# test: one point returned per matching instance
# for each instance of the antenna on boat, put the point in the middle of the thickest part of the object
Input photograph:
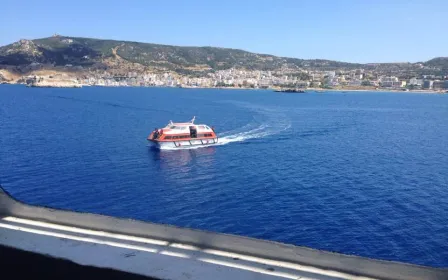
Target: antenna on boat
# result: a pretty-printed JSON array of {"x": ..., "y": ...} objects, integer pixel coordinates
[{"x": 192, "y": 120}]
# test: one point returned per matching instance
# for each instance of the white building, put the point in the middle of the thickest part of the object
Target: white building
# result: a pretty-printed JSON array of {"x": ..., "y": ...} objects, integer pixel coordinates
[
  {"x": 388, "y": 81},
  {"x": 416, "y": 82}
]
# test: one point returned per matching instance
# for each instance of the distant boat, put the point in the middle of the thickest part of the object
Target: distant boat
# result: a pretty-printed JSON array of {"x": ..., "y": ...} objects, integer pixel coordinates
[{"x": 290, "y": 90}]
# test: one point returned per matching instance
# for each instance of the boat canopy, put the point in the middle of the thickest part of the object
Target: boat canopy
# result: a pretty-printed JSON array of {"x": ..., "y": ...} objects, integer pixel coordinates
[{"x": 186, "y": 123}]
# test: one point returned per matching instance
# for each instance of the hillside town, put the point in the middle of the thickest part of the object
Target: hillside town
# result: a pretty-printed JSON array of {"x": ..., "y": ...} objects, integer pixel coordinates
[
  {"x": 240, "y": 78},
  {"x": 60, "y": 61}
]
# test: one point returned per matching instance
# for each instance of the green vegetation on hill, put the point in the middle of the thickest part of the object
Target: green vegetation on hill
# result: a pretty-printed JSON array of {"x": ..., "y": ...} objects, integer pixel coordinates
[
  {"x": 61, "y": 50},
  {"x": 440, "y": 62}
]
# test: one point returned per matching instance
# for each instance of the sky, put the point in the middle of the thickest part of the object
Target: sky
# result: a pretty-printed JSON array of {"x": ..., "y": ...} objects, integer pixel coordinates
[{"x": 345, "y": 30}]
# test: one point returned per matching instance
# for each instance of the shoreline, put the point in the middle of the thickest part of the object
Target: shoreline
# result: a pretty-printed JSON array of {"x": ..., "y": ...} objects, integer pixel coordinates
[
  {"x": 307, "y": 90},
  {"x": 383, "y": 90}
]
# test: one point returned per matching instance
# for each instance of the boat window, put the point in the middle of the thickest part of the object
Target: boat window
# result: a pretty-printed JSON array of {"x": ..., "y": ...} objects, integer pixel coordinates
[
  {"x": 205, "y": 135},
  {"x": 207, "y": 127},
  {"x": 168, "y": 137}
]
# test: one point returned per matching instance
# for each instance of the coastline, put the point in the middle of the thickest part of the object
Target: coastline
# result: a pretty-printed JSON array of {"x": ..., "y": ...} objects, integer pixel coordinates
[
  {"x": 381, "y": 90},
  {"x": 72, "y": 84}
]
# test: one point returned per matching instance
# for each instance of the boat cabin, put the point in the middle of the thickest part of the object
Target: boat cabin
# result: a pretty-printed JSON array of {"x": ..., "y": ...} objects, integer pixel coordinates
[{"x": 182, "y": 131}]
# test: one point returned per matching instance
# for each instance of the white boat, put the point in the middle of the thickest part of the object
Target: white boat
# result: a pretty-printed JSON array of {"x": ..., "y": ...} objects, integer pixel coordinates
[{"x": 180, "y": 135}]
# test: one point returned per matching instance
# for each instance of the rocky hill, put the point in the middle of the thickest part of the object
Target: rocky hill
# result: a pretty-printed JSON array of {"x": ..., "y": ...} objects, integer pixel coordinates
[
  {"x": 438, "y": 62},
  {"x": 110, "y": 54},
  {"x": 61, "y": 50}
]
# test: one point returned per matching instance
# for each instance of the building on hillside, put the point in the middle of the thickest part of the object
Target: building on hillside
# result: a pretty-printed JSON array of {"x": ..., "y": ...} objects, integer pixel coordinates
[
  {"x": 427, "y": 84},
  {"x": 388, "y": 81},
  {"x": 400, "y": 84},
  {"x": 265, "y": 83},
  {"x": 356, "y": 76},
  {"x": 330, "y": 74},
  {"x": 415, "y": 82},
  {"x": 302, "y": 84},
  {"x": 440, "y": 85},
  {"x": 317, "y": 76}
]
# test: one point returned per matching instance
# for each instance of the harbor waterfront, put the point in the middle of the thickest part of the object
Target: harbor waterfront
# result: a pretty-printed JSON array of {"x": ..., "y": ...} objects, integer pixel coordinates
[
  {"x": 355, "y": 173},
  {"x": 64, "y": 61}
]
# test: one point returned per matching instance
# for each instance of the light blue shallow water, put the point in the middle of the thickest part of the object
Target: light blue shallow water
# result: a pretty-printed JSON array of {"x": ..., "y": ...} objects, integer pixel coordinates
[{"x": 356, "y": 173}]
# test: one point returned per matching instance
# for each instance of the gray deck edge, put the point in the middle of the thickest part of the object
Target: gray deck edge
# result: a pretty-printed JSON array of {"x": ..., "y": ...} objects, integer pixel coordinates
[{"x": 231, "y": 243}]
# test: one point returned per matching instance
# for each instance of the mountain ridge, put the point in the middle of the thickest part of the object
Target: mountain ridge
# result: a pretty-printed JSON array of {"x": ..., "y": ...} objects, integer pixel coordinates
[{"x": 103, "y": 54}]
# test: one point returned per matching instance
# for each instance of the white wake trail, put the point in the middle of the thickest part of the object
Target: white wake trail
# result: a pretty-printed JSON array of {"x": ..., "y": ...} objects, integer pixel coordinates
[{"x": 270, "y": 121}]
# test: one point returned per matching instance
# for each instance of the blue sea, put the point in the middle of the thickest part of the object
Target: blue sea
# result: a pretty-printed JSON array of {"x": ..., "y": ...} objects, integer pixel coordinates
[{"x": 362, "y": 173}]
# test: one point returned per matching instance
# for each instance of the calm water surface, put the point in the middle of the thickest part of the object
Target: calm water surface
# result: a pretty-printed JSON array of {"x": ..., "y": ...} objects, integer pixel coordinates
[{"x": 356, "y": 173}]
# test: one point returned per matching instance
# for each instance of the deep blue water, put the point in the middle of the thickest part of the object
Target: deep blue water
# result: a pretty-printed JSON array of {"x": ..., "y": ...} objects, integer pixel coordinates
[{"x": 356, "y": 173}]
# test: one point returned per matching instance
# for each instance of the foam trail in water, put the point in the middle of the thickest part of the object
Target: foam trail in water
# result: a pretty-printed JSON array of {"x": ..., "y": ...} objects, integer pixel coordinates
[{"x": 270, "y": 121}]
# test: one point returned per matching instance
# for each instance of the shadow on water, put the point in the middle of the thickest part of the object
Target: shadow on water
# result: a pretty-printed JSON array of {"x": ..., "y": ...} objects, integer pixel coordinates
[{"x": 181, "y": 160}]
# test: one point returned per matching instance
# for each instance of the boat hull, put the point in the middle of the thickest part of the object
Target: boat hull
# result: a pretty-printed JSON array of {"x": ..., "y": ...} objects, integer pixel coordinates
[{"x": 183, "y": 143}]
